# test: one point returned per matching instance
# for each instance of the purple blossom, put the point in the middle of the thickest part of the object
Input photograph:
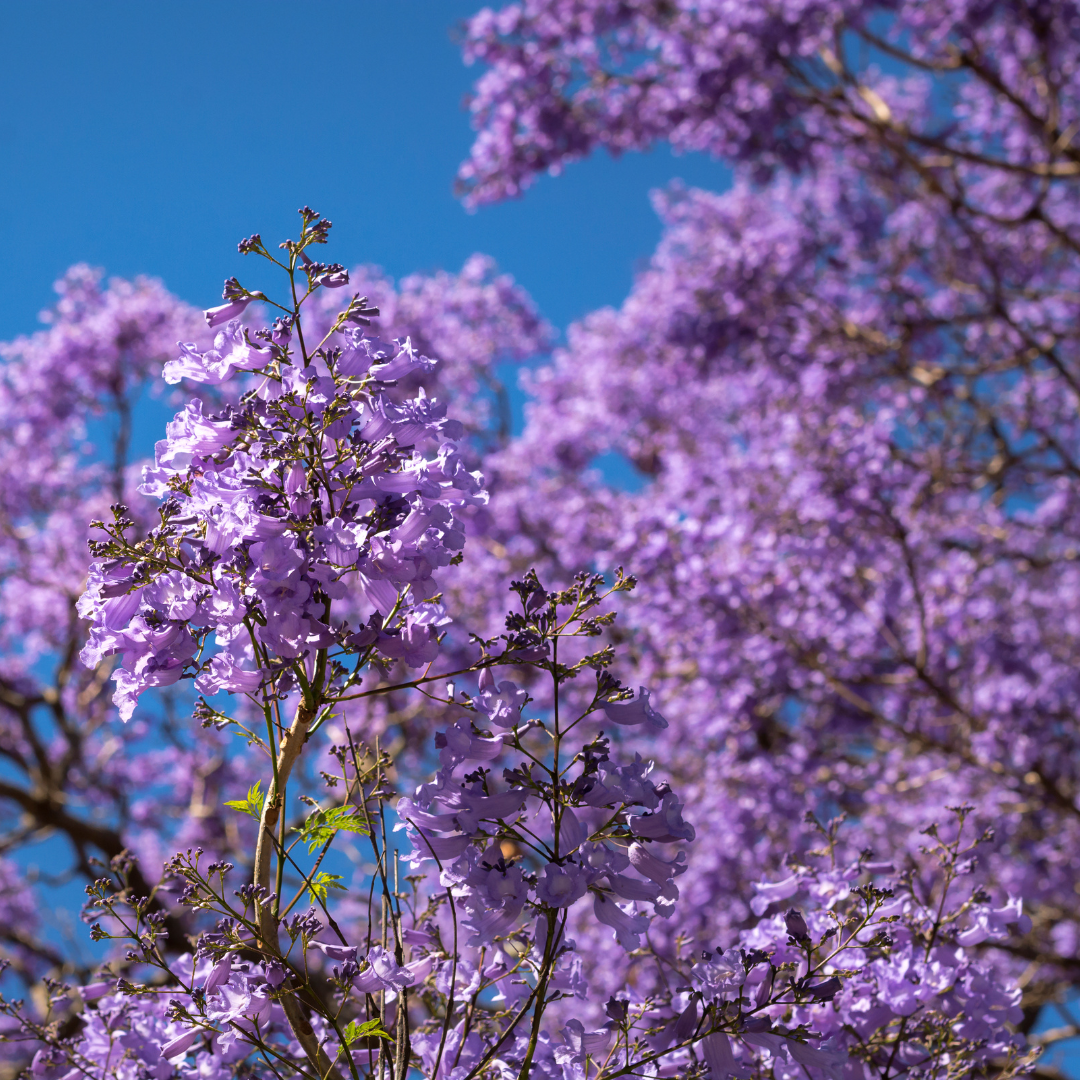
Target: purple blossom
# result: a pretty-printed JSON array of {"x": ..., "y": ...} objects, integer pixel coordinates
[
  {"x": 665, "y": 823},
  {"x": 460, "y": 743},
  {"x": 720, "y": 977},
  {"x": 993, "y": 923},
  {"x": 225, "y": 673},
  {"x": 768, "y": 893},
  {"x": 654, "y": 868},
  {"x": 561, "y": 886},
  {"x": 382, "y": 973},
  {"x": 181, "y": 1044},
  {"x": 628, "y": 927},
  {"x": 226, "y": 312},
  {"x": 718, "y": 1056},
  {"x": 633, "y": 713},
  {"x": 502, "y": 705},
  {"x": 580, "y": 1044}
]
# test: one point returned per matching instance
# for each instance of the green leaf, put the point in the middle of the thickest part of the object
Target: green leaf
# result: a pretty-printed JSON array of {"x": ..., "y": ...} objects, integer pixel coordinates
[
  {"x": 323, "y": 824},
  {"x": 366, "y": 1030},
  {"x": 322, "y": 882},
  {"x": 253, "y": 804}
]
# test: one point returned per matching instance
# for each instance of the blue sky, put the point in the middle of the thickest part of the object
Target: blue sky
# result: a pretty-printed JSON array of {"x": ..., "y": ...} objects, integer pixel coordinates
[{"x": 148, "y": 138}]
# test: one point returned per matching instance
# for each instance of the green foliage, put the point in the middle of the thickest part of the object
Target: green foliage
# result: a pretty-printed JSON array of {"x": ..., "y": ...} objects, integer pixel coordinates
[
  {"x": 321, "y": 883},
  {"x": 366, "y": 1030},
  {"x": 323, "y": 824},
  {"x": 253, "y": 804}
]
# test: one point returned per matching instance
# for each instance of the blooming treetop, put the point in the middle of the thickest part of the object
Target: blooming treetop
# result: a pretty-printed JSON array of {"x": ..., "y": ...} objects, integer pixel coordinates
[
  {"x": 848, "y": 386},
  {"x": 291, "y": 566}
]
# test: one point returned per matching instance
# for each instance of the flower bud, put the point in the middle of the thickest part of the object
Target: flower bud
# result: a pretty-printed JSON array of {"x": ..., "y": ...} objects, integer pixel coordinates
[{"x": 796, "y": 925}]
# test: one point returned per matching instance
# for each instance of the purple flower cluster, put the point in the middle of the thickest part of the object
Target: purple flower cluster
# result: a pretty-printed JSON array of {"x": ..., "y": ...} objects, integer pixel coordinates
[
  {"x": 596, "y": 843},
  {"x": 852, "y": 964},
  {"x": 923, "y": 975},
  {"x": 316, "y": 487}
]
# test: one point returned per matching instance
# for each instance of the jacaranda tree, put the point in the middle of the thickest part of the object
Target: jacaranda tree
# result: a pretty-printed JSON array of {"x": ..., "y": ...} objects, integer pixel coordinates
[{"x": 339, "y": 814}]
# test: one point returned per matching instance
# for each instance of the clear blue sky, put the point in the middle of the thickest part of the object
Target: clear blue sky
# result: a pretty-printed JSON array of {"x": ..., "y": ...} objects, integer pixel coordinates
[{"x": 148, "y": 138}]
